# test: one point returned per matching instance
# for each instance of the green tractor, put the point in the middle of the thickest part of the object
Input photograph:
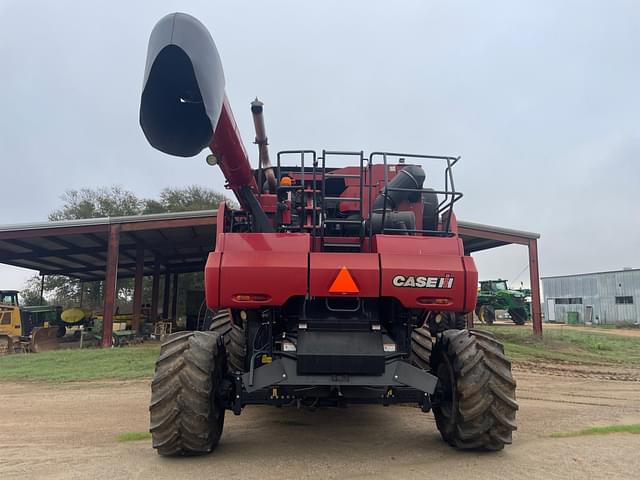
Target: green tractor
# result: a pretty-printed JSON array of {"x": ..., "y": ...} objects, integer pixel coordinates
[{"x": 495, "y": 295}]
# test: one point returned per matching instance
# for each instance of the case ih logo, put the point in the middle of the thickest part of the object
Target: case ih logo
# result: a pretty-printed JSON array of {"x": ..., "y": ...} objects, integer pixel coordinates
[{"x": 422, "y": 282}]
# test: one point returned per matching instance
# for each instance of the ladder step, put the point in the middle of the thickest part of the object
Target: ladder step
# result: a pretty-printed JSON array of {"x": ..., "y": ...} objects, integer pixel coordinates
[
  {"x": 343, "y": 175},
  {"x": 350, "y": 222},
  {"x": 344, "y": 199},
  {"x": 340, "y": 245}
]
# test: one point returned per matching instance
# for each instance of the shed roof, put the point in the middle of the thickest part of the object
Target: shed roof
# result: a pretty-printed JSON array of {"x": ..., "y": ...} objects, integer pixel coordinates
[
  {"x": 78, "y": 248},
  {"x": 624, "y": 270}
]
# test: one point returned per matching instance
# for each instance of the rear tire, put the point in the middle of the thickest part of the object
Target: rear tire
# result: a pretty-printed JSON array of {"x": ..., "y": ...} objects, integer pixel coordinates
[
  {"x": 518, "y": 315},
  {"x": 234, "y": 338},
  {"x": 7, "y": 344},
  {"x": 486, "y": 314},
  {"x": 421, "y": 346},
  {"x": 186, "y": 416},
  {"x": 440, "y": 321},
  {"x": 475, "y": 401},
  {"x": 456, "y": 321}
]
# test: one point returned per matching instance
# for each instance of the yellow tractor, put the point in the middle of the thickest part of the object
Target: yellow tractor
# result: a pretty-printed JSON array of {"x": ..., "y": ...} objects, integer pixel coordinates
[{"x": 27, "y": 329}]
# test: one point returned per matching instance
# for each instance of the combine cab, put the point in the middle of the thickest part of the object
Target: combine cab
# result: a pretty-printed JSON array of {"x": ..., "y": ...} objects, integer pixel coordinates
[{"x": 341, "y": 279}]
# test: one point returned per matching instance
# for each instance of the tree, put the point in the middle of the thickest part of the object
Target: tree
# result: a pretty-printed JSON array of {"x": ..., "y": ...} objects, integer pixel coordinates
[
  {"x": 100, "y": 202},
  {"x": 188, "y": 199},
  {"x": 59, "y": 290},
  {"x": 30, "y": 293}
]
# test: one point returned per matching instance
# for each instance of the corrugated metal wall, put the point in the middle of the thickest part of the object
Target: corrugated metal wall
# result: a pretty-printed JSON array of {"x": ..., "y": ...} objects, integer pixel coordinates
[{"x": 597, "y": 290}]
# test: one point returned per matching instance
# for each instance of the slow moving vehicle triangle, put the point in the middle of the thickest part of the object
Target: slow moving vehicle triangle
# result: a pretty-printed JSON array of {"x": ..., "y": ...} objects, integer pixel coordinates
[{"x": 344, "y": 283}]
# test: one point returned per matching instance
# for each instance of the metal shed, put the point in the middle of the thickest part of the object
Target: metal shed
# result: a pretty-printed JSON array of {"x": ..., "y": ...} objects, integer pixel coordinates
[
  {"x": 171, "y": 244},
  {"x": 599, "y": 297}
]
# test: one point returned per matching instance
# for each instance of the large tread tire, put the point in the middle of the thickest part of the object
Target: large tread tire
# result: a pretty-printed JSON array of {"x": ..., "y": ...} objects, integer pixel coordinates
[
  {"x": 186, "y": 417},
  {"x": 7, "y": 344},
  {"x": 440, "y": 321},
  {"x": 456, "y": 321},
  {"x": 421, "y": 346},
  {"x": 475, "y": 403},
  {"x": 234, "y": 338},
  {"x": 518, "y": 315},
  {"x": 486, "y": 314}
]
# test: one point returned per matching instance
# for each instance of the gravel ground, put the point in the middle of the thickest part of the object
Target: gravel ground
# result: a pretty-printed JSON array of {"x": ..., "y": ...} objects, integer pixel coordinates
[{"x": 69, "y": 431}]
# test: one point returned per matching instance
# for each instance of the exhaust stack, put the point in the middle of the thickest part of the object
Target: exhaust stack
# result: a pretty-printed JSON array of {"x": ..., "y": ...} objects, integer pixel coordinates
[{"x": 257, "y": 110}]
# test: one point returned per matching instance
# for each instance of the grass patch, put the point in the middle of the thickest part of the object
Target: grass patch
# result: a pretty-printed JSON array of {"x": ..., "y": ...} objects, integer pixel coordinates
[
  {"x": 127, "y": 363},
  {"x": 632, "y": 428},
  {"x": 133, "y": 436},
  {"x": 568, "y": 345},
  {"x": 137, "y": 362}
]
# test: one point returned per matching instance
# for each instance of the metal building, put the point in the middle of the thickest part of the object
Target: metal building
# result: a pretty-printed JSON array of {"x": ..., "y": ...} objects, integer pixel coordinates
[{"x": 600, "y": 297}]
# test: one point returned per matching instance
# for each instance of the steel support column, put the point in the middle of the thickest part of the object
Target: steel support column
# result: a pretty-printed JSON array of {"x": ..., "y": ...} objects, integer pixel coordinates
[
  {"x": 166, "y": 295},
  {"x": 111, "y": 278},
  {"x": 155, "y": 291},
  {"x": 41, "y": 289},
  {"x": 174, "y": 297},
  {"x": 137, "y": 288},
  {"x": 534, "y": 277}
]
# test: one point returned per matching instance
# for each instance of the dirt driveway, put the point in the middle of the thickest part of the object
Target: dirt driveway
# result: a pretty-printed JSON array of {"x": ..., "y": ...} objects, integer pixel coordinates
[
  {"x": 68, "y": 431},
  {"x": 621, "y": 332}
]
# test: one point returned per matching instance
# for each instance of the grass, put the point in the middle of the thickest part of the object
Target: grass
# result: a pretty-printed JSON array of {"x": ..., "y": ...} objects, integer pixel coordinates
[
  {"x": 632, "y": 428},
  {"x": 567, "y": 345},
  {"x": 137, "y": 362},
  {"x": 127, "y": 363},
  {"x": 133, "y": 436}
]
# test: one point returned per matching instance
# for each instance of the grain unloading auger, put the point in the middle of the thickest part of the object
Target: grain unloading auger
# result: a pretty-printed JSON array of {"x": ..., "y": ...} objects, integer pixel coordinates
[{"x": 332, "y": 285}]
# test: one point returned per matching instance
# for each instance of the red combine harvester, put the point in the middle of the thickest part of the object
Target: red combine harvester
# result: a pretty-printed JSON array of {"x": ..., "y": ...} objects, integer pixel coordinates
[{"x": 331, "y": 285}]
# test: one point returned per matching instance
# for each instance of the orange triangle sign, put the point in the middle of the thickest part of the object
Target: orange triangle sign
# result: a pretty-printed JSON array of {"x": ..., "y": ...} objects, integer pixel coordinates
[{"x": 344, "y": 283}]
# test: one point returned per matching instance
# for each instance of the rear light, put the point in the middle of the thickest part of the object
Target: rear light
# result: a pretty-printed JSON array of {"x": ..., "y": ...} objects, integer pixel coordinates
[
  {"x": 389, "y": 347},
  {"x": 251, "y": 298},
  {"x": 434, "y": 301}
]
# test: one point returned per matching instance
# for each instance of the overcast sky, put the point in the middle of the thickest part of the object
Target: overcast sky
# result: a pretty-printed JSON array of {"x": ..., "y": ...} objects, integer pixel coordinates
[{"x": 540, "y": 98}]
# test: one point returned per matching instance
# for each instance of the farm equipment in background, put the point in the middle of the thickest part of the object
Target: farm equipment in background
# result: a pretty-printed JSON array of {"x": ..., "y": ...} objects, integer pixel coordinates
[
  {"x": 340, "y": 280},
  {"x": 29, "y": 329},
  {"x": 495, "y": 295}
]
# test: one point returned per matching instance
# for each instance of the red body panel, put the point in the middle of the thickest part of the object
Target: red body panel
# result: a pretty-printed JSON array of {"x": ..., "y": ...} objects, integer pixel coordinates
[
  {"x": 421, "y": 272},
  {"x": 443, "y": 268},
  {"x": 410, "y": 245},
  {"x": 423, "y": 259},
  {"x": 363, "y": 267},
  {"x": 472, "y": 282},
  {"x": 273, "y": 278},
  {"x": 212, "y": 279},
  {"x": 270, "y": 266}
]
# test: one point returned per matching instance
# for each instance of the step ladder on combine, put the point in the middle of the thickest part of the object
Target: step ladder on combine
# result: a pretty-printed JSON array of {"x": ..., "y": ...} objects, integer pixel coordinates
[{"x": 313, "y": 176}]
